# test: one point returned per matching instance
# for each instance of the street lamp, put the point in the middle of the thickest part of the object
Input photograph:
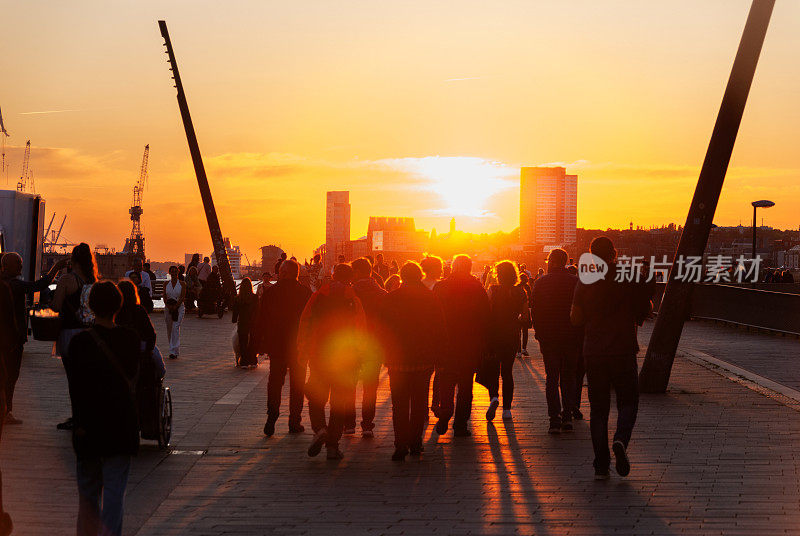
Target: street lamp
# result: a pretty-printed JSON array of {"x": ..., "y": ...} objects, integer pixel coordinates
[{"x": 758, "y": 204}]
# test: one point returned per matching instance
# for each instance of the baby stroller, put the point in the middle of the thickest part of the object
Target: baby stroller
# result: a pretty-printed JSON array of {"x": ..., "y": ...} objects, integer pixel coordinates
[{"x": 154, "y": 401}]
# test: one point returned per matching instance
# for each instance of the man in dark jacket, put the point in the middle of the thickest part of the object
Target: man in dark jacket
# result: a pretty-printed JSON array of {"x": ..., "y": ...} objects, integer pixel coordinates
[
  {"x": 372, "y": 297},
  {"x": 8, "y": 339},
  {"x": 415, "y": 322},
  {"x": 101, "y": 370},
  {"x": 281, "y": 306},
  {"x": 20, "y": 290},
  {"x": 332, "y": 332},
  {"x": 610, "y": 311},
  {"x": 559, "y": 340},
  {"x": 466, "y": 313}
]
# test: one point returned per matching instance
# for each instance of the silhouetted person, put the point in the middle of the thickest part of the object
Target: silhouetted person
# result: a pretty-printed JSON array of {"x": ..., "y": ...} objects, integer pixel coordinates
[
  {"x": 610, "y": 312},
  {"x": 415, "y": 321},
  {"x": 372, "y": 298},
  {"x": 20, "y": 291},
  {"x": 466, "y": 313},
  {"x": 509, "y": 310},
  {"x": 381, "y": 268},
  {"x": 174, "y": 310},
  {"x": 144, "y": 282},
  {"x": 394, "y": 268},
  {"x": 71, "y": 300},
  {"x": 181, "y": 271},
  {"x": 193, "y": 288},
  {"x": 280, "y": 310},
  {"x": 245, "y": 307},
  {"x": 526, "y": 326},
  {"x": 8, "y": 341},
  {"x": 392, "y": 282},
  {"x": 433, "y": 267},
  {"x": 103, "y": 363},
  {"x": 559, "y": 340},
  {"x": 133, "y": 316},
  {"x": 281, "y": 260},
  {"x": 194, "y": 262},
  {"x": 204, "y": 271},
  {"x": 331, "y": 335}
]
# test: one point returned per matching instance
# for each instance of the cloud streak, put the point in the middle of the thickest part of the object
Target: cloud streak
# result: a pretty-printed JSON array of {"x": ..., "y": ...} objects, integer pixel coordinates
[{"x": 45, "y": 112}]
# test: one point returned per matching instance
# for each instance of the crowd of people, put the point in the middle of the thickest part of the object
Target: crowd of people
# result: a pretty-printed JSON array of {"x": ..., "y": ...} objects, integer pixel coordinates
[{"x": 329, "y": 330}]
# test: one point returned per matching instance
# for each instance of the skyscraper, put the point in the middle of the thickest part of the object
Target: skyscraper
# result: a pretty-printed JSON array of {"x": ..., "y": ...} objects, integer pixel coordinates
[
  {"x": 337, "y": 225},
  {"x": 548, "y": 206}
]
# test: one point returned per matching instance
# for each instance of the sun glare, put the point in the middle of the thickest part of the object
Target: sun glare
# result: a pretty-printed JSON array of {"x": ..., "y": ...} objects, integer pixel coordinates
[{"x": 464, "y": 184}]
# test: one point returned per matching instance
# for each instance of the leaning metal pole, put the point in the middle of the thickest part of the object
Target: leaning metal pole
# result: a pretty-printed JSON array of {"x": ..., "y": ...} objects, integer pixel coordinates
[
  {"x": 221, "y": 253},
  {"x": 674, "y": 309}
]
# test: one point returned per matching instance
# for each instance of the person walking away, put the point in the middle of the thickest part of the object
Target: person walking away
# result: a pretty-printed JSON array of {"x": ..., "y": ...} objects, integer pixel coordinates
[
  {"x": 466, "y": 313},
  {"x": 393, "y": 282},
  {"x": 145, "y": 283},
  {"x": 203, "y": 271},
  {"x": 174, "y": 296},
  {"x": 525, "y": 285},
  {"x": 244, "y": 311},
  {"x": 509, "y": 310},
  {"x": 415, "y": 321},
  {"x": 331, "y": 331},
  {"x": 280, "y": 261},
  {"x": 610, "y": 311},
  {"x": 101, "y": 372},
  {"x": 433, "y": 267},
  {"x": 133, "y": 316},
  {"x": 21, "y": 290},
  {"x": 276, "y": 331},
  {"x": 559, "y": 340},
  {"x": 71, "y": 301},
  {"x": 372, "y": 298},
  {"x": 181, "y": 272},
  {"x": 381, "y": 268},
  {"x": 194, "y": 262}
]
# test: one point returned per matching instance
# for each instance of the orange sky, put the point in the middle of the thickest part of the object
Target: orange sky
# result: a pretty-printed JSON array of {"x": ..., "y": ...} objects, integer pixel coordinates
[{"x": 418, "y": 108}]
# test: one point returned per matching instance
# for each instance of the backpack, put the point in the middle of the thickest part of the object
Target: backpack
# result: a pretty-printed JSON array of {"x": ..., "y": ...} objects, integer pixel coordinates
[{"x": 84, "y": 313}]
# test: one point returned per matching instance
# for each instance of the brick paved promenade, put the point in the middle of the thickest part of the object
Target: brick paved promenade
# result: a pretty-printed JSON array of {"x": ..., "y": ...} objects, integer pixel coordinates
[{"x": 709, "y": 457}]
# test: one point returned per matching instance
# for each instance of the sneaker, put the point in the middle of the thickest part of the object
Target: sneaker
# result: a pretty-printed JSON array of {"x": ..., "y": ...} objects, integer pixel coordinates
[
  {"x": 492, "y": 409},
  {"x": 349, "y": 430},
  {"x": 525, "y": 353},
  {"x": 173, "y": 356},
  {"x": 566, "y": 426},
  {"x": 461, "y": 432},
  {"x": 10, "y": 419},
  {"x": 577, "y": 415},
  {"x": 441, "y": 427},
  {"x": 555, "y": 426},
  {"x": 296, "y": 428},
  {"x": 623, "y": 465},
  {"x": 69, "y": 424},
  {"x": 319, "y": 440},
  {"x": 269, "y": 428},
  {"x": 334, "y": 454},
  {"x": 601, "y": 474},
  {"x": 506, "y": 414},
  {"x": 399, "y": 454},
  {"x": 367, "y": 434}
]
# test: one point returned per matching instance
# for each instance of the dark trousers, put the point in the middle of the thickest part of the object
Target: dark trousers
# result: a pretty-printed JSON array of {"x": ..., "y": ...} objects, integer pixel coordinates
[
  {"x": 409, "y": 406},
  {"x": 370, "y": 375},
  {"x": 278, "y": 366},
  {"x": 247, "y": 353},
  {"x": 323, "y": 385},
  {"x": 450, "y": 379},
  {"x": 503, "y": 365},
  {"x": 580, "y": 374},
  {"x": 101, "y": 479},
  {"x": 524, "y": 330},
  {"x": 621, "y": 374},
  {"x": 560, "y": 362},
  {"x": 12, "y": 361}
]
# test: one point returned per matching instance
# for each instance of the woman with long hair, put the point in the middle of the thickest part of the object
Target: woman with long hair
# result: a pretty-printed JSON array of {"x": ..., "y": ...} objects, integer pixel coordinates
[
  {"x": 393, "y": 282},
  {"x": 244, "y": 312},
  {"x": 71, "y": 301},
  {"x": 509, "y": 311}
]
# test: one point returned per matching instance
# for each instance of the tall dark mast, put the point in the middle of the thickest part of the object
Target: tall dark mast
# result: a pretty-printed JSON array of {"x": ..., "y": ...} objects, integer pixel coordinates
[
  {"x": 202, "y": 181},
  {"x": 677, "y": 295}
]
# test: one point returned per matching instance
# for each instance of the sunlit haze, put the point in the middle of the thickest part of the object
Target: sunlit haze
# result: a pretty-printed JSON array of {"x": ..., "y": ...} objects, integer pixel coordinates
[{"x": 419, "y": 109}]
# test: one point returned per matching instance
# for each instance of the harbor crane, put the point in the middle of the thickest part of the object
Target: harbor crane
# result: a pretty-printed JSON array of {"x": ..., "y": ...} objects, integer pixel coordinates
[
  {"x": 23, "y": 183},
  {"x": 135, "y": 244}
]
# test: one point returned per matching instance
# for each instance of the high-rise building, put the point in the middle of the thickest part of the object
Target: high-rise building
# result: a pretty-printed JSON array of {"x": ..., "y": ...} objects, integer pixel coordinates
[
  {"x": 337, "y": 225},
  {"x": 548, "y": 214},
  {"x": 234, "y": 258}
]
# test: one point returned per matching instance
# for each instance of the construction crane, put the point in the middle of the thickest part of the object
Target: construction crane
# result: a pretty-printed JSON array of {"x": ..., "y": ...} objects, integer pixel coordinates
[
  {"x": 22, "y": 185},
  {"x": 135, "y": 246}
]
